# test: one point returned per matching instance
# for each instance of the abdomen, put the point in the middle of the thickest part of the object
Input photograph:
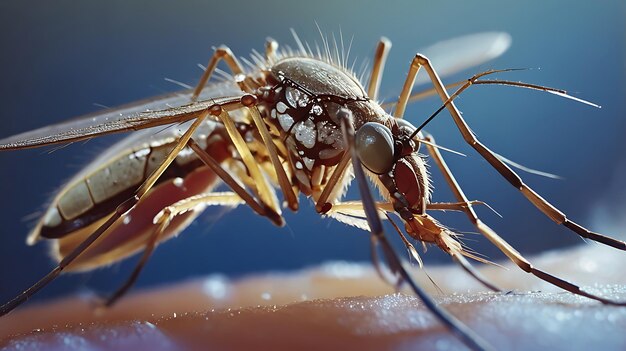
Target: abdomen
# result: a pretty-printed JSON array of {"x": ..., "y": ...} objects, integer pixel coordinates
[{"x": 92, "y": 196}]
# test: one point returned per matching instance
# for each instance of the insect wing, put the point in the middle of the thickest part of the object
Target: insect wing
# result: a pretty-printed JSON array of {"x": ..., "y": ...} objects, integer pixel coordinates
[
  {"x": 457, "y": 54},
  {"x": 157, "y": 111}
]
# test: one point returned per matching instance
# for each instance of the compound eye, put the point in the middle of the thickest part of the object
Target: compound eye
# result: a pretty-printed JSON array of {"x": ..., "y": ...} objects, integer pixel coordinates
[{"x": 375, "y": 147}]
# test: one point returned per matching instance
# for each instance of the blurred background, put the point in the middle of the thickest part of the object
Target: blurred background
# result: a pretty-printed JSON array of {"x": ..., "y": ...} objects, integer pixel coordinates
[{"x": 61, "y": 59}]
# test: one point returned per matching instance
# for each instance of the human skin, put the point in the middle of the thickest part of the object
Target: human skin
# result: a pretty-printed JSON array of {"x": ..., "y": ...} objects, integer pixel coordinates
[{"x": 341, "y": 306}]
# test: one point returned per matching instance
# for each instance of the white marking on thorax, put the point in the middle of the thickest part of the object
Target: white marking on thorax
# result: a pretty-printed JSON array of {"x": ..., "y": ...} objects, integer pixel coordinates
[{"x": 306, "y": 133}]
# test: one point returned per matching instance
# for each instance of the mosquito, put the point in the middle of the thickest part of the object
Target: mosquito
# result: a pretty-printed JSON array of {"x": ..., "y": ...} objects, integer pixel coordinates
[{"x": 294, "y": 120}]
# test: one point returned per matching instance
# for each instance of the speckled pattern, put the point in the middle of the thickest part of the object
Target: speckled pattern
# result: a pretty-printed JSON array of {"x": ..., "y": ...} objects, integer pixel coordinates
[
  {"x": 513, "y": 321},
  {"x": 306, "y": 310}
]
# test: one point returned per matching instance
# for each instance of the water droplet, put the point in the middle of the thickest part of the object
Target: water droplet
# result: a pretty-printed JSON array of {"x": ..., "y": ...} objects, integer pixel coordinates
[
  {"x": 304, "y": 100},
  {"x": 178, "y": 182},
  {"x": 316, "y": 110}
]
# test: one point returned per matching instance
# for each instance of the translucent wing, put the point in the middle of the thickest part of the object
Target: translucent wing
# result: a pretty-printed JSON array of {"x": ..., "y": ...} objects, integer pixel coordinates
[
  {"x": 161, "y": 110},
  {"x": 457, "y": 54}
]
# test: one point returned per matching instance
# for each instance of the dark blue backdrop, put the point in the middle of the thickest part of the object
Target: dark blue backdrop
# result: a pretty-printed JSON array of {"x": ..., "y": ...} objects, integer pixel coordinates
[{"x": 59, "y": 58}]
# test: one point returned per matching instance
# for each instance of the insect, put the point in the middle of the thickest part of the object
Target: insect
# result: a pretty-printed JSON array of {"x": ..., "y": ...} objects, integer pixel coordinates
[{"x": 296, "y": 120}]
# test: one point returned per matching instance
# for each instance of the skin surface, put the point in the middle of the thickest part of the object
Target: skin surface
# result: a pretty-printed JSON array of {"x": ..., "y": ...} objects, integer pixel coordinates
[{"x": 343, "y": 305}]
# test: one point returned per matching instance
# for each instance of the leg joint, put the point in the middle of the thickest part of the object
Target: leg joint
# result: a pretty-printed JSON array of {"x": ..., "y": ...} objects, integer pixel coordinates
[
  {"x": 421, "y": 60},
  {"x": 524, "y": 265},
  {"x": 222, "y": 51},
  {"x": 127, "y": 205},
  {"x": 164, "y": 216}
]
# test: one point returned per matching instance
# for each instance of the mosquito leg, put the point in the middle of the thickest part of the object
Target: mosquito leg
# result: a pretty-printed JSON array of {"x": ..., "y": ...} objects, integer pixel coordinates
[
  {"x": 123, "y": 208},
  {"x": 465, "y": 334},
  {"x": 322, "y": 205},
  {"x": 264, "y": 191},
  {"x": 150, "y": 245},
  {"x": 454, "y": 206},
  {"x": 380, "y": 57},
  {"x": 261, "y": 209},
  {"x": 378, "y": 264},
  {"x": 163, "y": 219},
  {"x": 507, "y": 249},
  {"x": 467, "y": 266},
  {"x": 355, "y": 208},
  {"x": 262, "y": 188},
  {"x": 543, "y": 205},
  {"x": 250, "y": 102},
  {"x": 221, "y": 53},
  {"x": 422, "y": 94},
  {"x": 525, "y": 265}
]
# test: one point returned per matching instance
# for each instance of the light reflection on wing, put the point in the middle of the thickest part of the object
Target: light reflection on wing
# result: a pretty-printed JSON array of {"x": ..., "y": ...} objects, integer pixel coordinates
[
  {"x": 157, "y": 111},
  {"x": 457, "y": 54}
]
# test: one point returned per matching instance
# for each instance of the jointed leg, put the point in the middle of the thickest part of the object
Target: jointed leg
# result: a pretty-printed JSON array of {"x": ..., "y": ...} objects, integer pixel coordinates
[
  {"x": 377, "y": 262},
  {"x": 249, "y": 102},
  {"x": 355, "y": 208},
  {"x": 221, "y": 53},
  {"x": 260, "y": 208},
  {"x": 262, "y": 189},
  {"x": 147, "y": 252},
  {"x": 321, "y": 205},
  {"x": 162, "y": 220},
  {"x": 543, "y": 205},
  {"x": 507, "y": 249}
]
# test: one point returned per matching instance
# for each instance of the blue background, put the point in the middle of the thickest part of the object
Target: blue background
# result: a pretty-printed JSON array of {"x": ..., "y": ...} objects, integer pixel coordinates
[{"x": 59, "y": 58}]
